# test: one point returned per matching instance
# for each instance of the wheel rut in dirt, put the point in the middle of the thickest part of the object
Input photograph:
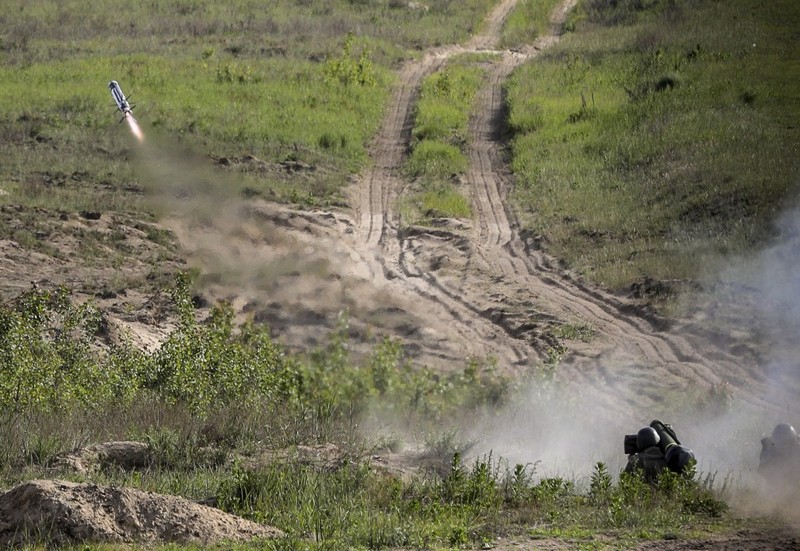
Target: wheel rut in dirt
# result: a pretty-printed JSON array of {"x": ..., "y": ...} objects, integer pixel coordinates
[
  {"x": 457, "y": 290},
  {"x": 453, "y": 268}
]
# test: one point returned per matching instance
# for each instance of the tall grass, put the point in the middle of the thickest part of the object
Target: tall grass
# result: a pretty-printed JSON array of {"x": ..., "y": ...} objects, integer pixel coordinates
[{"x": 637, "y": 150}]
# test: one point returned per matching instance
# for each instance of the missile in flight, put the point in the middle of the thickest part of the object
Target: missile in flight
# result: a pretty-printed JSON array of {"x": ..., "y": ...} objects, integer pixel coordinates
[{"x": 119, "y": 98}]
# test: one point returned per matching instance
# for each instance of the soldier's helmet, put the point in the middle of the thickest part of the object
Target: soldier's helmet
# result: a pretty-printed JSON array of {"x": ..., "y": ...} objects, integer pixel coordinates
[
  {"x": 646, "y": 438},
  {"x": 784, "y": 434}
]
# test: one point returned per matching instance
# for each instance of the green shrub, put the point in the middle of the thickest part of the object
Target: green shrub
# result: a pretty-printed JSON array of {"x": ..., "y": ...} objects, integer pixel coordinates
[{"x": 47, "y": 360}]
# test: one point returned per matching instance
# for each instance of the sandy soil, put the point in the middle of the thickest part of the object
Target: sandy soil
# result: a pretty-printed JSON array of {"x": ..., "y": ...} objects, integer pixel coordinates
[
  {"x": 62, "y": 512},
  {"x": 480, "y": 288}
]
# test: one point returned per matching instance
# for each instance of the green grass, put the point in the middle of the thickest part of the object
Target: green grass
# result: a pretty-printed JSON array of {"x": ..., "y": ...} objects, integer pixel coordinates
[
  {"x": 687, "y": 137},
  {"x": 436, "y": 161},
  {"x": 440, "y": 147},
  {"x": 529, "y": 19},
  {"x": 445, "y": 102},
  {"x": 579, "y": 331},
  {"x": 226, "y": 81},
  {"x": 267, "y": 108},
  {"x": 445, "y": 201}
]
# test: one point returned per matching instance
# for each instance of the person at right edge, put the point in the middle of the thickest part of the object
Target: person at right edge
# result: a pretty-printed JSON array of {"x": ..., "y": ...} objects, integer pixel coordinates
[
  {"x": 655, "y": 448},
  {"x": 779, "y": 462}
]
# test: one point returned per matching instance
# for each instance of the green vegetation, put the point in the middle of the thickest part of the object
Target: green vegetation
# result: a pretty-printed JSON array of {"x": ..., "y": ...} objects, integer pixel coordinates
[
  {"x": 440, "y": 147},
  {"x": 659, "y": 135},
  {"x": 579, "y": 331},
  {"x": 214, "y": 393},
  {"x": 49, "y": 364},
  {"x": 529, "y": 19},
  {"x": 686, "y": 137},
  {"x": 297, "y": 80}
]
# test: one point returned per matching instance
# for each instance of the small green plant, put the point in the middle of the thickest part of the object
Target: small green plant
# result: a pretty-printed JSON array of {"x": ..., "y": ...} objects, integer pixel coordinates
[
  {"x": 347, "y": 70},
  {"x": 600, "y": 485},
  {"x": 574, "y": 331},
  {"x": 472, "y": 486},
  {"x": 237, "y": 74},
  {"x": 517, "y": 485}
]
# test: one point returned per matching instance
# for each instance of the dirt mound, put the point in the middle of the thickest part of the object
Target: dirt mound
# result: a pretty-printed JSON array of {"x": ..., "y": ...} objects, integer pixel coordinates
[{"x": 61, "y": 512}]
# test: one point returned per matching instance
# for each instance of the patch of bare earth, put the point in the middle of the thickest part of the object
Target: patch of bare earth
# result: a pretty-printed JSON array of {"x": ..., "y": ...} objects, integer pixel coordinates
[
  {"x": 782, "y": 540},
  {"x": 121, "y": 263}
]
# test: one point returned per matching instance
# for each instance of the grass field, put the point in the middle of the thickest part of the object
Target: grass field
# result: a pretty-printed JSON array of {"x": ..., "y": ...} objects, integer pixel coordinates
[
  {"x": 659, "y": 136},
  {"x": 304, "y": 81}
]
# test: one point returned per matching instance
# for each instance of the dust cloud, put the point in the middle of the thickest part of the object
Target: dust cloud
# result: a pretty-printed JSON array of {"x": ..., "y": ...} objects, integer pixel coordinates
[
  {"x": 768, "y": 300},
  {"x": 560, "y": 430},
  {"x": 199, "y": 204},
  {"x": 288, "y": 269},
  {"x": 223, "y": 235},
  {"x": 565, "y": 430}
]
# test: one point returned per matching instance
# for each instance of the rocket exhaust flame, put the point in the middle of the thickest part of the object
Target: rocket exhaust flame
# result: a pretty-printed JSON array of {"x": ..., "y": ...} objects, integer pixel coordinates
[{"x": 135, "y": 129}]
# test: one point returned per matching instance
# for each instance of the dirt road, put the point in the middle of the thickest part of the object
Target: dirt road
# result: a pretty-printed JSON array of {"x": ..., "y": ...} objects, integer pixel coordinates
[
  {"x": 480, "y": 288},
  {"x": 484, "y": 289}
]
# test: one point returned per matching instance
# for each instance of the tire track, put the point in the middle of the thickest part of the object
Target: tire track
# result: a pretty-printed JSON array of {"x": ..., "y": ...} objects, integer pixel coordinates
[
  {"x": 531, "y": 298},
  {"x": 499, "y": 238}
]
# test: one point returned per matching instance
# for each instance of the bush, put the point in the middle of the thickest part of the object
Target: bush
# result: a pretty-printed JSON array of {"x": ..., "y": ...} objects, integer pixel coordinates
[{"x": 47, "y": 359}]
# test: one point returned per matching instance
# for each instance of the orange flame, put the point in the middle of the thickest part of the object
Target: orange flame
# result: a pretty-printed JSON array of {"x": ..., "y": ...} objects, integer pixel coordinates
[{"x": 134, "y": 127}]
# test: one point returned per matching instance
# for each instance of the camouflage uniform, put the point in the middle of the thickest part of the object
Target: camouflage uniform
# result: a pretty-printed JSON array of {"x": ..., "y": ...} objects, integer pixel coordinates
[{"x": 651, "y": 461}]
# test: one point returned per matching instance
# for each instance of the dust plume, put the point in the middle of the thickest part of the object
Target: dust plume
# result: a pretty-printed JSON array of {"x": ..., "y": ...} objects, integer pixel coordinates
[
  {"x": 561, "y": 429},
  {"x": 755, "y": 308},
  {"x": 233, "y": 241},
  {"x": 291, "y": 270},
  {"x": 763, "y": 307}
]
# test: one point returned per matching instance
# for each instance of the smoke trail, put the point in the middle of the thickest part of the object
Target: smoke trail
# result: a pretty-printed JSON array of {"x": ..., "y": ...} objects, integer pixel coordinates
[{"x": 135, "y": 127}]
